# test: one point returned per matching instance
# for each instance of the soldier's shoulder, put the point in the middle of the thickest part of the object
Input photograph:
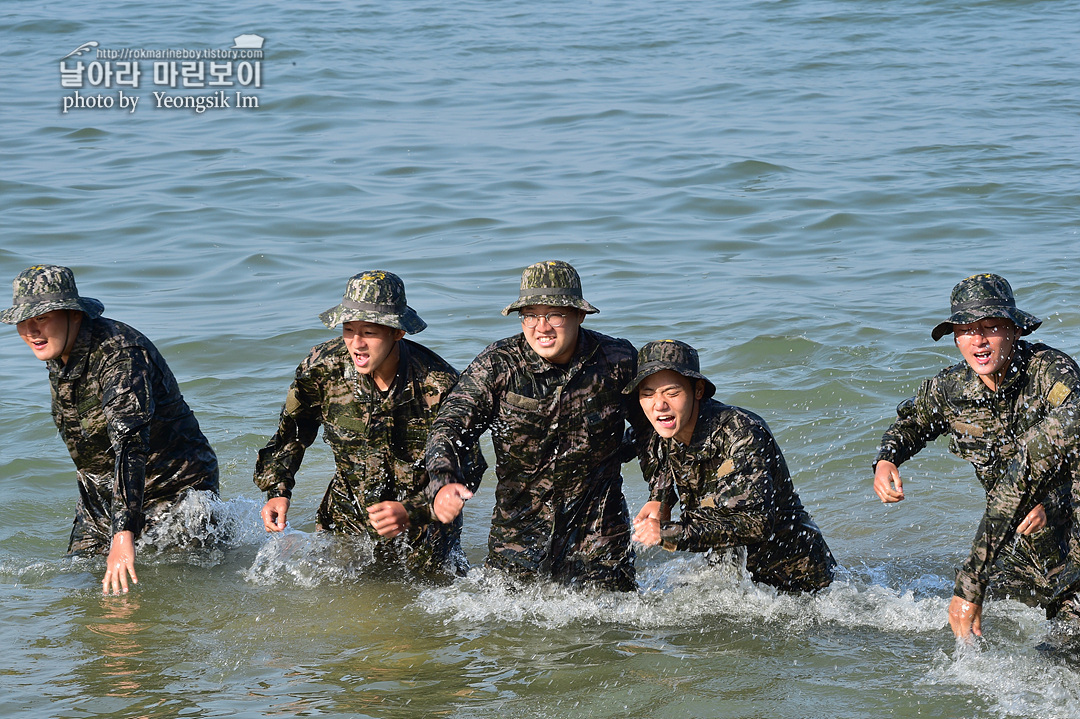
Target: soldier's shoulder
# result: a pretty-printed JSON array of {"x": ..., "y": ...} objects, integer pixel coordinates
[
  {"x": 507, "y": 350},
  {"x": 429, "y": 367},
  {"x": 110, "y": 338},
  {"x": 116, "y": 332},
  {"x": 732, "y": 417},
  {"x": 426, "y": 358},
  {"x": 324, "y": 354},
  {"x": 949, "y": 379},
  {"x": 616, "y": 348},
  {"x": 1042, "y": 354}
]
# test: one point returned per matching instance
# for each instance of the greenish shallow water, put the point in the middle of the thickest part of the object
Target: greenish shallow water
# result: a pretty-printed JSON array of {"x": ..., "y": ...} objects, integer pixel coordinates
[{"x": 792, "y": 186}]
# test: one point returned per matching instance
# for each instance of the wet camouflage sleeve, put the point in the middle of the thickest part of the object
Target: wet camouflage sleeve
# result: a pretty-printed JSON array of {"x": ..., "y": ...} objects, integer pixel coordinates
[
  {"x": 557, "y": 434},
  {"x": 134, "y": 440},
  {"x": 298, "y": 426},
  {"x": 733, "y": 502},
  {"x": 736, "y": 490},
  {"x": 998, "y": 433},
  {"x": 377, "y": 439}
]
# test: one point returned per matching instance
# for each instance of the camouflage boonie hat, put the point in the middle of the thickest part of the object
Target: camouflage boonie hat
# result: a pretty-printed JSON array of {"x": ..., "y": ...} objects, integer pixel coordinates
[
  {"x": 554, "y": 283},
  {"x": 44, "y": 288},
  {"x": 981, "y": 296},
  {"x": 377, "y": 297},
  {"x": 673, "y": 355}
]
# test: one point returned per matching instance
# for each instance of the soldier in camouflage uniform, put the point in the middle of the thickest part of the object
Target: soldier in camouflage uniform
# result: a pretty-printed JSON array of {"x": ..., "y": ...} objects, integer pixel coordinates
[
  {"x": 723, "y": 464},
  {"x": 551, "y": 397},
  {"x": 1005, "y": 399},
  {"x": 136, "y": 445},
  {"x": 374, "y": 394}
]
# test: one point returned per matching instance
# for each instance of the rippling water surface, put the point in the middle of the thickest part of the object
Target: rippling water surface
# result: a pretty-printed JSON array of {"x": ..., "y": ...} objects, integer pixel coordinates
[{"x": 791, "y": 186}]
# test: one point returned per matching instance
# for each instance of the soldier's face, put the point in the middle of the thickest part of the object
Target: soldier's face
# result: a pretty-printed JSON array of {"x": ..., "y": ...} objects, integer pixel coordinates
[
  {"x": 51, "y": 335},
  {"x": 555, "y": 344},
  {"x": 670, "y": 401},
  {"x": 373, "y": 347},
  {"x": 987, "y": 345}
]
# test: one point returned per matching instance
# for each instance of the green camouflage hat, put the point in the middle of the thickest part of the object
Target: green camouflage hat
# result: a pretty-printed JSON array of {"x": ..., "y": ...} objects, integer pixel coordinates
[
  {"x": 981, "y": 296},
  {"x": 377, "y": 297},
  {"x": 673, "y": 355},
  {"x": 44, "y": 288},
  {"x": 554, "y": 283}
]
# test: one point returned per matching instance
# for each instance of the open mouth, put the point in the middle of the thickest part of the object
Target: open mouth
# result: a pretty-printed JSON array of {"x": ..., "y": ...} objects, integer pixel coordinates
[
  {"x": 983, "y": 357},
  {"x": 666, "y": 421}
]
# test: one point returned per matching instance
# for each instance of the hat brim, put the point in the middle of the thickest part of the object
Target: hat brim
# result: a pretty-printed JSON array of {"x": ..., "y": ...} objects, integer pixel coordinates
[
  {"x": 20, "y": 313},
  {"x": 650, "y": 368},
  {"x": 407, "y": 320},
  {"x": 551, "y": 301},
  {"x": 1027, "y": 323}
]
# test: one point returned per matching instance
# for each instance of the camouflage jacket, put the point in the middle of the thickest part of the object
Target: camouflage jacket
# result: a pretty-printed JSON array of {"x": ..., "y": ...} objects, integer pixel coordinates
[
  {"x": 735, "y": 490},
  {"x": 377, "y": 439},
  {"x": 133, "y": 438},
  {"x": 557, "y": 433},
  {"x": 992, "y": 430}
]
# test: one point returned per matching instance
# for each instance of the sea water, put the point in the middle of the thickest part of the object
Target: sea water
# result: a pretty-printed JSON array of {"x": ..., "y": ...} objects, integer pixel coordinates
[{"x": 791, "y": 186}]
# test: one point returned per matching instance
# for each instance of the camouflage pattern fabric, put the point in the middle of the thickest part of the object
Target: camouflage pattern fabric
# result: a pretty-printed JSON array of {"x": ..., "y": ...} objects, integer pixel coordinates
[
  {"x": 134, "y": 440},
  {"x": 378, "y": 297},
  {"x": 553, "y": 283},
  {"x": 1009, "y": 436},
  {"x": 984, "y": 296},
  {"x": 735, "y": 491},
  {"x": 1065, "y": 602},
  {"x": 669, "y": 354},
  {"x": 378, "y": 444},
  {"x": 559, "y": 508},
  {"x": 44, "y": 288}
]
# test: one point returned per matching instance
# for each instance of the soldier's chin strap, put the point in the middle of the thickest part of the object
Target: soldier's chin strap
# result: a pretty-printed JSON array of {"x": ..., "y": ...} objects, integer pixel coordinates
[{"x": 66, "y": 351}]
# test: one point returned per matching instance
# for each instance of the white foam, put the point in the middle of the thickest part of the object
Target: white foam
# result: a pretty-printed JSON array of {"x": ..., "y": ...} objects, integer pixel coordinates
[{"x": 311, "y": 559}]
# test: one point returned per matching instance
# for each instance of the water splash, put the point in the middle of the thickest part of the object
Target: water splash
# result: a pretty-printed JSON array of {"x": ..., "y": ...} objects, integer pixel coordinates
[
  {"x": 682, "y": 590},
  {"x": 1014, "y": 682},
  {"x": 311, "y": 560},
  {"x": 201, "y": 520}
]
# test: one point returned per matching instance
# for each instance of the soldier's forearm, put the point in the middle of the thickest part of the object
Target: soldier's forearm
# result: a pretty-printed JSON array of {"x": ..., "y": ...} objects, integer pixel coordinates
[{"x": 130, "y": 485}]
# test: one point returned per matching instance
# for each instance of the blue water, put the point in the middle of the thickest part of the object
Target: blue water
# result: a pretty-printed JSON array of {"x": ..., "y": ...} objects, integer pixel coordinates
[{"x": 792, "y": 186}]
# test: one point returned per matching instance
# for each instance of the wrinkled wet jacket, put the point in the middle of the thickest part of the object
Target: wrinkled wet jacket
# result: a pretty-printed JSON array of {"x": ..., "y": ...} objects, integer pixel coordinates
[
  {"x": 735, "y": 490},
  {"x": 134, "y": 440},
  {"x": 378, "y": 443},
  {"x": 559, "y": 507},
  {"x": 996, "y": 432}
]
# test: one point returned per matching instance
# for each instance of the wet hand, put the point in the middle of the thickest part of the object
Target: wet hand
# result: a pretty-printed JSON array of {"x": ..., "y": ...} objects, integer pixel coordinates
[
  {"x": 1033, "y": 522},
  {"x": 120, "y": 564},
  {"x": 274, "y": 514},
  {"x": 449, "y": 502},
  {"x": 647, "y": 525},
  {"x": 887, "y": 483},
  {"x": 389, "y": 519},
  {"x": 965, "y": 618}
]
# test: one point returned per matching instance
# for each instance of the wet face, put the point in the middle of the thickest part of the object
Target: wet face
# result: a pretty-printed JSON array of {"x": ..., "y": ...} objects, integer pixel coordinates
[
  {"x": 51, "y": 335},
  {"x": 555, "y": 344},
  {"x": 986, "y": 346},
  {"x": 373, "y": 348},
  {"x": 670, "y": 401}
]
